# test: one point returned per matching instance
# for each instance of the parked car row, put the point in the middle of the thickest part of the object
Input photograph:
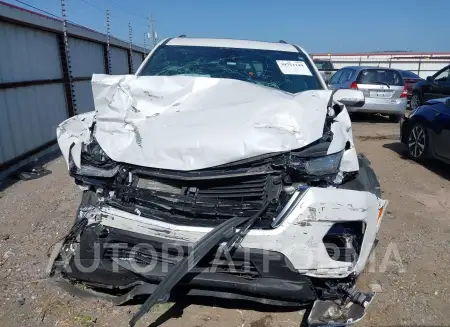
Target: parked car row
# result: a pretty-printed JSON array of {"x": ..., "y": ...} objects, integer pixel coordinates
[
  {"x": 387, "y": 91},
  {"x": 426, "y": 131}
]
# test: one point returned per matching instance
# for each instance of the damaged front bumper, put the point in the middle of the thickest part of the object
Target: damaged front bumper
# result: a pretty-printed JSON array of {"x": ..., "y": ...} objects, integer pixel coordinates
[{"x": 310, "y": 257}]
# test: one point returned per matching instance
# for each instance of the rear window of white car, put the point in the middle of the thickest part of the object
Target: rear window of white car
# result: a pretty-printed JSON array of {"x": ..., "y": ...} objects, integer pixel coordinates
[
  {"x": 376, "y": 76},
  {"x": 323, "y": 64}
]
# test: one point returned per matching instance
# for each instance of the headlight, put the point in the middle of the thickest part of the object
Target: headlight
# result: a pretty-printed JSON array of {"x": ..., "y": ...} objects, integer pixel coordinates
[
  {"x": 94, "y": 162},
  {"x": 94, "y": 152},
  {"x": 317, "y": 166}
]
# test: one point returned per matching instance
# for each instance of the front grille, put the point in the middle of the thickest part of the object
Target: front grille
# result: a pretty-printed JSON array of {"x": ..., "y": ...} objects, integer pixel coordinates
[{"x": 201, "y": 202}]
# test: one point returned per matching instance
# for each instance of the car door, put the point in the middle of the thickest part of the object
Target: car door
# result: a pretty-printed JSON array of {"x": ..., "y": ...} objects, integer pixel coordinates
[
  {"x": 334, "y": 81},
  {"x": 439, "y": 85},
  {"x": 441, "y": 124}
]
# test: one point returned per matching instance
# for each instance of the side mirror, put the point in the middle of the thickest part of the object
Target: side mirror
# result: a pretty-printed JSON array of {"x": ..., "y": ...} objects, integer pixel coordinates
[
  {"x": 447, "y": 103},
  {"x": 430, "y": 79},
  {"x": 349, "y": 98}
]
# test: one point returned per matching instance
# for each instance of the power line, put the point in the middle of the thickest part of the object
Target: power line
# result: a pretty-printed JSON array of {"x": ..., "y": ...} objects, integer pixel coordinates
[
  {"x": 126, "y": 10},
  {"x": 69, "y": 21},
  {"x": 38, "y": 9},
  {"x": 92, "y": 5},
  {"x": 100, "y": 9}
]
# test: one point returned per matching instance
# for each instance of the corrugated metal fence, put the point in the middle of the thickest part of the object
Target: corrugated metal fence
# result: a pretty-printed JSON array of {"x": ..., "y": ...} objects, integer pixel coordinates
[
  {"x": 34, "y": 85},
  {"x": 423, "y": 64}
]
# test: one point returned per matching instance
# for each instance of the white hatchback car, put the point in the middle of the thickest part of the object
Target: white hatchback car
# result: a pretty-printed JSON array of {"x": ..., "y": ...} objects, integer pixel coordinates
[{"x": 222, "y": 168}]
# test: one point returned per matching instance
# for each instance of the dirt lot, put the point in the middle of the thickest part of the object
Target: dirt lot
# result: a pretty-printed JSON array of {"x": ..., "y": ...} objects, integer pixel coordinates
[{"x": 414, "y": 242}]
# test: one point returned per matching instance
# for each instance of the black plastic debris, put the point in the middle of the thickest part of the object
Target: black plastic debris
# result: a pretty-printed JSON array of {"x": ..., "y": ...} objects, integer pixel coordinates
[{"x": 33, "y": 173}]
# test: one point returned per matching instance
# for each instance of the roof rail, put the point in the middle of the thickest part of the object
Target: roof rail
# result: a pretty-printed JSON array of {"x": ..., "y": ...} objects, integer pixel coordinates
[
  {"x": 282, "y": 41},
  {"x": 182, "y": 35}
]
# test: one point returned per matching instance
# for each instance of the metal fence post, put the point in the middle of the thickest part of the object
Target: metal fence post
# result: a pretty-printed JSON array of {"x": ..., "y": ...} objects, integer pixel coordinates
[
  {"x": 63, "y": 41},
  {"x": 106, "y": 47},
  {"x": 130, "y": 50}
]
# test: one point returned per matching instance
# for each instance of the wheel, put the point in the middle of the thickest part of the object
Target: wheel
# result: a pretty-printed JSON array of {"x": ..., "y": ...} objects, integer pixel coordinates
[
  {"x": 395, "y": 118},
  {"x": 417, "y": 142},
  {"x": 415, "y": 101}
]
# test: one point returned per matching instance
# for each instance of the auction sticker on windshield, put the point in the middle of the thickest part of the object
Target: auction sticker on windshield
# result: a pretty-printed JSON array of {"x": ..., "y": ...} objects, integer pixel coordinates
[{"x": 290, "y": 67}]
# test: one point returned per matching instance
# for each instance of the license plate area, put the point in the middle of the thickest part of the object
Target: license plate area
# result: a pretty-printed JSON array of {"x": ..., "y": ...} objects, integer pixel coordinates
[{"x": 380, "y": 94}]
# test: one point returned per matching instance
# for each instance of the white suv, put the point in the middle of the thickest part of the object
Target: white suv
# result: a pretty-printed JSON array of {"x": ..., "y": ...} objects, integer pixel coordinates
[{"x": 222, "y": 168}]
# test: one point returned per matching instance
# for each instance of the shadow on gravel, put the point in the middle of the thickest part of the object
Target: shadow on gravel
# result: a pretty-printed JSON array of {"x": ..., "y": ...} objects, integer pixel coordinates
[
  {"x": 176, "y": 311},
  {"x": 438, "y": 167},
  {"x": 15, "y": 176}
]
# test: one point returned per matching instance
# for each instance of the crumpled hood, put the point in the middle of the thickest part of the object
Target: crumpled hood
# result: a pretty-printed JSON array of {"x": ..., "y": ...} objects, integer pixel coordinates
[{"x": 188, "y": 123}]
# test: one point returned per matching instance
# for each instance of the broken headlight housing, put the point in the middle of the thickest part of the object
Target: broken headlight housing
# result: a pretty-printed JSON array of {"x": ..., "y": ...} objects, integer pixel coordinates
[
  {"x": 94, "y": 162},
  {"x": 93, "y": 154},
  {"x": 316, "y": 166}
]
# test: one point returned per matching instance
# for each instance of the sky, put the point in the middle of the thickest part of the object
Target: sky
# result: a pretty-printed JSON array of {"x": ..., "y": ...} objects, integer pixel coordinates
[{"x": 319, "y": 26}]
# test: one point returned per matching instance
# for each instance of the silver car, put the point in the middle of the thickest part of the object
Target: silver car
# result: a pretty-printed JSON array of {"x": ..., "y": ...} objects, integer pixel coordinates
[{"x": 384, "y": 89}]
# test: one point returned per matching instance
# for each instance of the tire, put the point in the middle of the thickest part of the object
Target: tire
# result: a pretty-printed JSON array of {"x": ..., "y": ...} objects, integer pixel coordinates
[
  {"x": 416, "y": 101},
  {"x": 365, "y": 180},
  {"x": 395, "y": 118},
  {"x": 417, "y": 142}
]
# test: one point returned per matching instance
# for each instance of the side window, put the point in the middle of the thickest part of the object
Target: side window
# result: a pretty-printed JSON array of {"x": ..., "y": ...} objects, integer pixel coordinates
[
  {"x": 351, "y": 74},
  {"x": 443, "y": 76},
  {"x": 344, "y": 76},
  {"x": 335, "y": 78}
]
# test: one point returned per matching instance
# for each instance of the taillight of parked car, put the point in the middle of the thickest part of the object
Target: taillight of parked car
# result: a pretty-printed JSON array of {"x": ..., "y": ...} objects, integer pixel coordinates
[
  {"x": 354, "y": 85},
  {"x": 404, "y": 93}
]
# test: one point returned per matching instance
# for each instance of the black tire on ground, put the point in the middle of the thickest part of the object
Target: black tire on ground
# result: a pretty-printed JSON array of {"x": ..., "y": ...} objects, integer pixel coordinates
[
  {"x": 417, "y": 142},
  {"x": 395, "y": 118},
  {"x": 416, "y": 101},
  {"x": 365, "y": 179}
]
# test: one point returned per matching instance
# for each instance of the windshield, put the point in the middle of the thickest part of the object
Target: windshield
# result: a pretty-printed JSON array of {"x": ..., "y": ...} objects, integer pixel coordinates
[
  {"x": 320, "y": 64},
  {"x": 287, "y": 71},
  {"x": 380, "y": 76}
]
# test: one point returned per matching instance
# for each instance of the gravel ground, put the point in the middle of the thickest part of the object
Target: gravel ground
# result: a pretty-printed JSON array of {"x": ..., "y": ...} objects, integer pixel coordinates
[{"x": 409, "y": 266}]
